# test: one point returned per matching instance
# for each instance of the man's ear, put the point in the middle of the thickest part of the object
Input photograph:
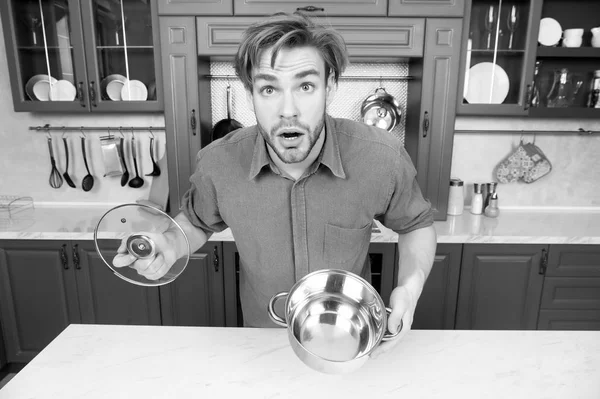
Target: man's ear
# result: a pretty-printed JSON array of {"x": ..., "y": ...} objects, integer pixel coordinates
[{"x": 331, "y": 88}]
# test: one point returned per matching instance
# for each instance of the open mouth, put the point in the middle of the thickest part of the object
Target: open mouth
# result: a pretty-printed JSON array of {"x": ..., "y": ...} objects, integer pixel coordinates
[{"x": 290, "y": 135}]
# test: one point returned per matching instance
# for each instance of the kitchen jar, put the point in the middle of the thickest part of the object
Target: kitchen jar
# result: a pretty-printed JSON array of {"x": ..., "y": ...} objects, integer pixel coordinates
[
  {"x": 456, "y": 197},
  {"x": 477, "y": 201}
]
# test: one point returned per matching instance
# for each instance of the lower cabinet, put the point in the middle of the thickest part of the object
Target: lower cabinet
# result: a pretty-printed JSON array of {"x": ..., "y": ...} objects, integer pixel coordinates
[{"x": 500, "y": 286}]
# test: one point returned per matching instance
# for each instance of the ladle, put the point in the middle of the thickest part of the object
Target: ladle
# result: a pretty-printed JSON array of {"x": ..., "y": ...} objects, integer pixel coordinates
[
  {"x": 137, "y": 181},
  {"x": 125, "y": 176},
  {"x": 88, "y": 181},
  {"x": 155, "y": 168}
]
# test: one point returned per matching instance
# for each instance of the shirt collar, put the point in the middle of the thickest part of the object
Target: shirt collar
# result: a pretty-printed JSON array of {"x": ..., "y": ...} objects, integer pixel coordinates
[{"x": 330, "y": 153}]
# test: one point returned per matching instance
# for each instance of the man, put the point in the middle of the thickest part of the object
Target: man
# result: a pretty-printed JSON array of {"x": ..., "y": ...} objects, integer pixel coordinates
[{"x": 300, "y": 189}]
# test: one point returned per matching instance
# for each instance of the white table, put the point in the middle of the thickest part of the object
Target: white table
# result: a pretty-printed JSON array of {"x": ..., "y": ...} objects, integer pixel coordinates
[{"x": 101, "y": 361}]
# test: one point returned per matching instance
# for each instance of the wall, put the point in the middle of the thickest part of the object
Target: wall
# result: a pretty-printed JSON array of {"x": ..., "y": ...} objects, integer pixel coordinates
[
  {"x": 574, "y": 181},
  {"x": 25, "y": 161}
]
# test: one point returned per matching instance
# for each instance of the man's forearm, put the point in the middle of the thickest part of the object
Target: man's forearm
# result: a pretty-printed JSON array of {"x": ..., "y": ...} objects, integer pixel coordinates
[
  {"x": 416, "y": 256},
  {"x": 196, "y": 236}
]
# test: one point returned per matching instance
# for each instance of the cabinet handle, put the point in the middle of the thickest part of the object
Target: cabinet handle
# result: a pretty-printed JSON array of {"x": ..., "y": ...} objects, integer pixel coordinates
[
  {"x": 216, "y": 259},
  {"x": 310, "y": 9},
  {"x": 193, "y": 122},
  {"x": 543, "y": 262},
  {"x": 81, "y": 94},
  {"x": 93, "y": 94},
  {"x": 63, "y": 257},
  {"x": 425, "y": 124},
  {"x": 527, "y": 101},
  {"x": 76, "y": 257}
]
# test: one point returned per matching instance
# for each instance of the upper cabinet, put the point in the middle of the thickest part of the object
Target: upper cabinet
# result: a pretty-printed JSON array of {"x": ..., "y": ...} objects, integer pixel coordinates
[
  {"x": 499, "y": 43},
  {"x": 359, "y": 8},
  {"x": 83, "y": 56}
]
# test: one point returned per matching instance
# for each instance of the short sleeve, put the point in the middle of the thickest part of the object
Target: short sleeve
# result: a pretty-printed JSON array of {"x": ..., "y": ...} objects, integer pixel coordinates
[
  {"x": 199, "y": 203},
  {"x": 407, "y": 209}
]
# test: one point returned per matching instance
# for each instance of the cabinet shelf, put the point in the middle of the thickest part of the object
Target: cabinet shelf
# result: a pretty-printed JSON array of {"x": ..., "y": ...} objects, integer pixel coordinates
[
  {"x": 499, "y": 52},
  {"x": 41, "y": 48},
  {"x": 561, "y": 52}
]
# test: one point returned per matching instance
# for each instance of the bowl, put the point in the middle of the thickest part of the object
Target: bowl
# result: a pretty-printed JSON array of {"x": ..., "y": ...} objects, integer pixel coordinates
[{"x": 334, "y": 318}]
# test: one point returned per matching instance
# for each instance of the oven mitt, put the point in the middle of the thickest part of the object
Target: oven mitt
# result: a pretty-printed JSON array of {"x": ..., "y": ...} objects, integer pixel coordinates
[{"x": 527, "y": 163}]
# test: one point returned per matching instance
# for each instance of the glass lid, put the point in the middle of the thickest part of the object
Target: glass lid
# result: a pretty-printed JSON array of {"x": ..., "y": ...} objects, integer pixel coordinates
[{"x": 141, "y": 244}]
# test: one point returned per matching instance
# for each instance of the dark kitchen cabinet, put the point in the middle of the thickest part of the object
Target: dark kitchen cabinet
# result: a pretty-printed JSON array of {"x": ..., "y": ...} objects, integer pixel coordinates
[
  {"x": 196, "y": 297},
  {"x": 47, "y": 285},
  {"x": 195, "y": 7},
  {"x": 83, "y": 56},
  {"x": 571, "y": 294},
  {"x": 426, "y": 8},
  {"x": 500, "y": 286},
  {"x": 321, "y": 8},
  {"x": 436, "y": 308},
  {"x": 381, "y": 255}
]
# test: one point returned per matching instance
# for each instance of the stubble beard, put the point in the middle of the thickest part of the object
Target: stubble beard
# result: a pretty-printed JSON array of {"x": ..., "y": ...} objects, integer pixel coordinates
[{"x": 290, "y": 156}]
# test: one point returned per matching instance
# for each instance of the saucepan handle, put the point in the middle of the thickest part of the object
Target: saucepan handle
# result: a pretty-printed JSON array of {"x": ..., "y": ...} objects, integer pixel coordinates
[
  {"x": 272, "y": 314},
  {"x": 387, "y": 336}
]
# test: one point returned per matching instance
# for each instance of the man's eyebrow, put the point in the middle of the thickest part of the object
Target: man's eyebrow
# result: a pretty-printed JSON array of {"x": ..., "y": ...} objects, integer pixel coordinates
[{"x": 299, "y": 75}]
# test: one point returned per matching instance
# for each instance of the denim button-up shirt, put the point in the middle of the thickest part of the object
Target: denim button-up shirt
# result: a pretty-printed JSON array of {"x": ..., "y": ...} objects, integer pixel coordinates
[{"x": 286, "y": 228}]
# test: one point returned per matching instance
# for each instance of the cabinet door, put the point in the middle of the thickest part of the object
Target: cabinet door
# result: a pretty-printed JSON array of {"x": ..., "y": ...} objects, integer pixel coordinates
[
  {"x": 43, "y": 41},
  {"x": 384, "y": 261},
  {"x": 38, "y": 295},
  {"x": 180, "y": 77},
  {"x": 123, "y": 55},
  {"x": 569, "y": 320},
  {"x": 365, "y": 37},
  {"x": 107, "y": 299},
  {"x": 435, "y": 124},
  {"x": 196, "y": 297},
  {"x": 323, "y": 8},
  {"x": 573, "y": 261},
  {"x": 500, "y": 41},
  {"x": 427, "y": 8},
  {"x": 231, "y": 270},
  {"x": 195, "y": 7},
  {"x": 500, "y": 287},
  {"x": 436, "y": 308}
]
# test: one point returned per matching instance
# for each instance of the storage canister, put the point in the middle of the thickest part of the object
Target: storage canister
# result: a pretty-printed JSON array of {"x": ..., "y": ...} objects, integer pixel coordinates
[{"x": 456, "y": 197}]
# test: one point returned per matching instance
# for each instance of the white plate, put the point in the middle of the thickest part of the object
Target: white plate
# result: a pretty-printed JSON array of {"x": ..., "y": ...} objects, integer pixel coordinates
[
  {"x": 134, "y": 90},
  {"x": 550, "y": 32},
  {"x": 113, "y": 89},
  {"x": 105, "y": 82},
  {"x": 63, "y": 90},
  {"x": 488, "y": 84},
  {"x": 43, "y": 88}
]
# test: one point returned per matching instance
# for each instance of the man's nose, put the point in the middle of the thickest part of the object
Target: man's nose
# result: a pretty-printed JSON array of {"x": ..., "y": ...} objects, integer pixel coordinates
[{"x": 288, "y": 107}]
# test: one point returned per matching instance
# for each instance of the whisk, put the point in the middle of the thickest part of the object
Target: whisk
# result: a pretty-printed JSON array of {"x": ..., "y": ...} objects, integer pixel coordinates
[{"x": 55, "y": 177}]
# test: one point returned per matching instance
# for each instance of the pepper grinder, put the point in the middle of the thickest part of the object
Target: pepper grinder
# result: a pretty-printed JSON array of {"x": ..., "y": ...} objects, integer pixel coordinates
[
  {"x": 492, "y": 209},
  {"x": 491, "y": 190}
]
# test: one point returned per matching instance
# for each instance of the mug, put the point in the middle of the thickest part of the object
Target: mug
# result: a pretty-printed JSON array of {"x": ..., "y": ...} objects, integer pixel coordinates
[
  {"x": 595, "y": 37},
  {"x": 572, "y": 37}
]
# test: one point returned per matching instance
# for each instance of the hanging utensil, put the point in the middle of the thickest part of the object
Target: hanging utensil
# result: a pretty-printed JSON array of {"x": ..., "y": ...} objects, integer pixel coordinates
[
  {"x": 227, "y": 125},
  {"x": 381, "y": 109},
  {"x": 137, "y": 181},
  {"x": 125, "y": 176},
  {"x": 88, "y": 181},
  {"x": 66, "y": 174},
  {"x": 55, "y": 178},
  {"x": 155, "y": 167}
]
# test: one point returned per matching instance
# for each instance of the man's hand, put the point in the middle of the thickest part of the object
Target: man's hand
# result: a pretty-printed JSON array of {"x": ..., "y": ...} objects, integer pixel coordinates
[{"x": 403, "y": 303}]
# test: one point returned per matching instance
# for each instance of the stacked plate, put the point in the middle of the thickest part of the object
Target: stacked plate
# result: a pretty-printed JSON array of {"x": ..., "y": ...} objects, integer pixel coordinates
[
  {"x": 44, "y": 88},
  {"x": 117, "y": 88}
]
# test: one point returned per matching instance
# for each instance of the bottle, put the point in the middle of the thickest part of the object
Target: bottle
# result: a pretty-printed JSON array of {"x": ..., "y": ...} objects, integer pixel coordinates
[
  {"x": 491, "y": 190},
  {"x": 593, "y": 100},
  {"x": 534, "y": 100},
  {"x": 492, "y": 209},
  {"x": 456, "y": 197},
  {"x": 477, "y": 201}
]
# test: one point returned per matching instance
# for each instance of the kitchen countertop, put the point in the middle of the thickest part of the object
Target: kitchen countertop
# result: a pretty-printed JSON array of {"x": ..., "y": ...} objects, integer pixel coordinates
[
  {"x": 102, "y": 361},
  {"x": 77, "y": 222}
]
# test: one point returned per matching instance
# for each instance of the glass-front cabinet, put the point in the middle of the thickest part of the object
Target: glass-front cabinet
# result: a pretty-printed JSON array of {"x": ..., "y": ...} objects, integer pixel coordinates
[
  {"x": 82, "y": 56},
  {"x": 498, "y": 55}
]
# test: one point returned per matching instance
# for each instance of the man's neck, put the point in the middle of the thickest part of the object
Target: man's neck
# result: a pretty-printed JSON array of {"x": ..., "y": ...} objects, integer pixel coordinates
[{"x": 297, "y": 169}]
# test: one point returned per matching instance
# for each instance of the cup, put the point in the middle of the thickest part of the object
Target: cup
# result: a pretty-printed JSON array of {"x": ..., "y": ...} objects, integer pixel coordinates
[
  {"x": 572, "y": 37},
  {"x": 595, "y": 36}
]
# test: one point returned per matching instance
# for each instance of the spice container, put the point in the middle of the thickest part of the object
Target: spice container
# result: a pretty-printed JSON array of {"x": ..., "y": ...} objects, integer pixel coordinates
[
  {"x": 456, "y": 197},
  {"x": 492, "y": 209},
  {"x": 491, "y": 190},
  {"x": 477, "y": 201}
]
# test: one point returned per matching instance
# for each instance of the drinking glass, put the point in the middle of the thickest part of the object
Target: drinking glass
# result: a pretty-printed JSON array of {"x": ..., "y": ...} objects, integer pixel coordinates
[{"x": 512, "y": 21}]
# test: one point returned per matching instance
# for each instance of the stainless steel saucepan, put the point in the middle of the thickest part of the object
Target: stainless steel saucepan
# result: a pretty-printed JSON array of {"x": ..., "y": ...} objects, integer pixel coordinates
[
  {"x": 334, "y": 318},
  {"x": 381, "y": 109}
]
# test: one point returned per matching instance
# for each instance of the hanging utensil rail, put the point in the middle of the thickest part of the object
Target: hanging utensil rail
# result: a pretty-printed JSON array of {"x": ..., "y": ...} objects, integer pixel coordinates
[{"x": 103, "y": 129}]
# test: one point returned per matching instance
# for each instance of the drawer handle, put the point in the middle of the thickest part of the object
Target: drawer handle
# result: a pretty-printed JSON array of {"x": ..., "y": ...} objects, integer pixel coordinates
[
  {"x": 310, "y": 9},
  {"x": 543, "y": 262}
]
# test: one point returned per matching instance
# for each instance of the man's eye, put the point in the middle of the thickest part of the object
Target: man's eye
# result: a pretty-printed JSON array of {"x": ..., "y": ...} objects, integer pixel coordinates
[
  {"x": 267, "y": 90},
  {"x": 307, "y": 87}
]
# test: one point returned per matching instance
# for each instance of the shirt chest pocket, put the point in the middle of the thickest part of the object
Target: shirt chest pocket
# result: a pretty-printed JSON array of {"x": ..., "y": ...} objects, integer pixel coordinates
[{"x": 343, "y": 245}]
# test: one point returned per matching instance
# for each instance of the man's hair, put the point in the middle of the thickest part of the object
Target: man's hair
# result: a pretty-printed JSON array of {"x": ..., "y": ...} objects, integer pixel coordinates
[{"x": 284, "y": 30}]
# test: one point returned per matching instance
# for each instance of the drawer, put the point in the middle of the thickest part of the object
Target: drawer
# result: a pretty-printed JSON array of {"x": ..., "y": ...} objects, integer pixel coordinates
[
  {"x": 569, "y": 320},
  {"x": 571, "y": 293},
  {"x": 574, "y": 261}
]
